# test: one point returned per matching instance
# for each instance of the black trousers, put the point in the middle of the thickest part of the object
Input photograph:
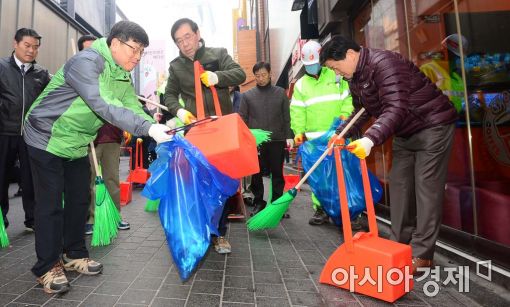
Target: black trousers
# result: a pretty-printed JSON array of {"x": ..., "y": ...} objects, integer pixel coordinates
[
  {"x": 417, "y": 184},
  {"x": 59, "y": 227},
  {"x": 12, "y": 147},
  {"x": 271, "y": 156}
]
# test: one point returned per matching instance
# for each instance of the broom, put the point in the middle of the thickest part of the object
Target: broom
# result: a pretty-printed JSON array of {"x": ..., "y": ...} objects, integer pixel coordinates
[
  {"x": 261, "y": 136},
  {"x": 271, "y": 216},
  {"x": 106, "y": 215},
  {"x": 4, "y": 239}
]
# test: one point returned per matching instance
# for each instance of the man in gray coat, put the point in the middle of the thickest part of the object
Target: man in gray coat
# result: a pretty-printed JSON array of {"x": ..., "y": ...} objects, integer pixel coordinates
[{"x": 267, "y": 107}]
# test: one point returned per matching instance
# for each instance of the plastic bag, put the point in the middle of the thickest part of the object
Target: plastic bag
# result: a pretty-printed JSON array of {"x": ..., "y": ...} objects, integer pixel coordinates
[
  {"x": 192, "y": 194},
  {"x": 323, "y": 181}
]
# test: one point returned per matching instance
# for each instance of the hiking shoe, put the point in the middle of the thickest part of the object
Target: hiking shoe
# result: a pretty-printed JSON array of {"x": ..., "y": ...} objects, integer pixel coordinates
[
  {"x": 123, "y": 225},
  {"x": 320, "y": 217},
  {"x": 357, "y": 224},
  {"x": 85, "y": 266},
  {"x": 54, "y": 281},
  {"x": 88, "y": 229},
  {"x": 221, "y": 245}
]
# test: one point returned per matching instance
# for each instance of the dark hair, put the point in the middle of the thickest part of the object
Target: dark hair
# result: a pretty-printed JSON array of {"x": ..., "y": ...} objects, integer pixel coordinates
[
  {"x": 126, "y": 30},
  {"x": 180, "y": 22},
  {"x": 261, "y": 65},
  {"x": 18, "y": 37},
  {"x": 336, "y": 48},
  {"x": 85, "y": 38}
]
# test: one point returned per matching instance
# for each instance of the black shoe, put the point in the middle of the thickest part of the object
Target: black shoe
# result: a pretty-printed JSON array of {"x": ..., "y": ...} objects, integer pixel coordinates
[
  {"x": 248, "y": 201},
  {"x": 6, "y": 222},
  {"x": 286, "y": 215},
  {"x": 320, "y": 217},
  {"x": 358, "y": 224},
  {"x": 19, "y": 193},
  {"x": 259, "y": 206}
]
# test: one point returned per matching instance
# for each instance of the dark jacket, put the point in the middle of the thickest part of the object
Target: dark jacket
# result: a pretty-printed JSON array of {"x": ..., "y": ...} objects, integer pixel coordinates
[
  {"x": 401, "y": 98},
  {"x": 181, "y": 80},
  {"x": 17, "y": 93},
  {"x": 108, "y": 134},
  {"x": 267, "y": 108}
]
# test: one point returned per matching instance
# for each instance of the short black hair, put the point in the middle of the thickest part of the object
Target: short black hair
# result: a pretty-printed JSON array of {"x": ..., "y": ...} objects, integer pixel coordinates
[
  {"x": 85, "y": 38},
  {"x": 261, "y": 65},
  {"x": 336, "y": 48},
  {"x": 180, "y": 22},
  {"x": 18, "y": 37},
  {"x": 125, "y": 30}
]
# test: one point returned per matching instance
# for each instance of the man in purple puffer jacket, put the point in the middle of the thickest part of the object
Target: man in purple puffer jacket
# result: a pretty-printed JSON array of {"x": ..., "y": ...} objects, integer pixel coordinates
[{"x": 412, "y": 110}]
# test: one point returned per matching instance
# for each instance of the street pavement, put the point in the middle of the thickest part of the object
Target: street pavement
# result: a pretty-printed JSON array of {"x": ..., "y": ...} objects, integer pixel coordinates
[{"x": 278, "y": 268}]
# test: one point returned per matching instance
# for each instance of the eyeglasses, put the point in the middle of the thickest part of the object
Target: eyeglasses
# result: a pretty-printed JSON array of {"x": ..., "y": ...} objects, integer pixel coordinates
[
  {"x": 134, "y": 50},
  {"x": 185, "y": 38}
]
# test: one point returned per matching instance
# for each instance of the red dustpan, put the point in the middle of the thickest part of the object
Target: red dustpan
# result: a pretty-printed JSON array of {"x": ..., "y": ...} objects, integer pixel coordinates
[{"x": 366, "y": 263}]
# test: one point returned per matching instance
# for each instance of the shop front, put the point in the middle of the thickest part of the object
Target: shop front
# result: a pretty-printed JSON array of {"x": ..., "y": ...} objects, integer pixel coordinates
[{"x": 463, "y": 47}]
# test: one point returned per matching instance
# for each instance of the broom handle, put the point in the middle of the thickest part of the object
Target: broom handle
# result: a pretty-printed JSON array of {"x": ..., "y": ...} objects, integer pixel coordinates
[
  {"x": 94, "y": 157},
  {"x": 326, "y": 152},
  {"x": 152, "y": 102}
]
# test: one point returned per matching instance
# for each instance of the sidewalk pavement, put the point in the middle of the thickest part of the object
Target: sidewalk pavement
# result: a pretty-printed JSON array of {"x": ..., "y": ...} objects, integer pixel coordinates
[{"x": 271, "y": 268}]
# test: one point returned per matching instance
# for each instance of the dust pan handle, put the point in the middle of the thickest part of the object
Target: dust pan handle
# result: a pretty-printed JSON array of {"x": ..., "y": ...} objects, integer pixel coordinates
[
  {"x": 372, "y": 223},
  {"x": 326, "y": 152}
]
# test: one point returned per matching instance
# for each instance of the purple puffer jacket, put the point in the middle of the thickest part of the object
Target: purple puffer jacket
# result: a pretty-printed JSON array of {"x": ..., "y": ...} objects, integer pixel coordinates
[{"x": 401, "y": 98}]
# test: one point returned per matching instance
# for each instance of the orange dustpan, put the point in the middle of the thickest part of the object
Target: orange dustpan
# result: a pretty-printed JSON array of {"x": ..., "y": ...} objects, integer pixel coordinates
[{"x": 366, "y": 263}]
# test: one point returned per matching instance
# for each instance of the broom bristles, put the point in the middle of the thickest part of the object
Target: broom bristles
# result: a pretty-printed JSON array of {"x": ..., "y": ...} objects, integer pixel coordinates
[
  {"x": 4, "y": 239},
  {"x": 270, "y": 217},
  {"x": 106, "y": 217},
  {"x": 261, "y": 136},
  {"x": 152, "y": 205}
]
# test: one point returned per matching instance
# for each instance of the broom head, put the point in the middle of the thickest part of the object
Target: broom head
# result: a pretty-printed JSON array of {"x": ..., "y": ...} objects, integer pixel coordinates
[
  {"x": 106, "y": 216},
  {"x": 4, "y": 240},
  {"x": 272, "y": 214}
]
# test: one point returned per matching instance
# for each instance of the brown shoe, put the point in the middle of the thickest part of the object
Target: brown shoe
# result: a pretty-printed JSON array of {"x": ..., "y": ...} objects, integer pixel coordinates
[
  {"x": 421, "y": 263},
  {"x": 85, "y": 266},
  {"x": 221, "y": 245},
  {"x": 54, "y": 281}
]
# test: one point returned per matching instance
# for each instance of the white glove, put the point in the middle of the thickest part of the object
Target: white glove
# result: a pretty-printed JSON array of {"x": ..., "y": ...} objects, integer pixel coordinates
[
  {"x": 290, "y": 143},
  {"x": 185, "y": 116},
  {"x": 209, "y": 78},
  {"x": 159, "y": 133},
  {"x": 170, "y": 124}
]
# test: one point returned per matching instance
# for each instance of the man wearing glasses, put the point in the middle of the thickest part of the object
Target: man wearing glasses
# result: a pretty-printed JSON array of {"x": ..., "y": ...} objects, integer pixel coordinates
[
  {"x": 92, "y": 88},
  {"x": 221, "y": 72}
]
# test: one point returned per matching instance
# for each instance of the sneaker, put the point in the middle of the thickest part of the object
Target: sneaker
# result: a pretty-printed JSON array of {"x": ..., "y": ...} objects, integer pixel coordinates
[
  {"x": 320, "y": 217},
  {"x": 29, "y": 228},
  {"x": 221, "y": 245},
  {"x": 123, "y": 225},
  {"x": 357, "y": 224},
  {"x": 88, "y": 229},
  {"x": 54, "y": 281},
  {"x": 85, "y": 266}
]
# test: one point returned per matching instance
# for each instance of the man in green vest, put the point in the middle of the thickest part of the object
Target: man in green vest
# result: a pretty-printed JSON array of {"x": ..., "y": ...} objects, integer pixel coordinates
[{"x": 319, "y": 97}]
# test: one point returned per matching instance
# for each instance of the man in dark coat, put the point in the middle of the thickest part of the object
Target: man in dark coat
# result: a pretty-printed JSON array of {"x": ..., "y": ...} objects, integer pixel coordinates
[{"x": 407, "y": 106}]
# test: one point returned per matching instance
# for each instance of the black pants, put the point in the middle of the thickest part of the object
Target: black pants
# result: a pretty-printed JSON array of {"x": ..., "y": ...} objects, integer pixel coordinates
[
  {"x": 271, "y": 158},
  {"x": 59, "y": 228},
  {"x": 12, "y": 147}
]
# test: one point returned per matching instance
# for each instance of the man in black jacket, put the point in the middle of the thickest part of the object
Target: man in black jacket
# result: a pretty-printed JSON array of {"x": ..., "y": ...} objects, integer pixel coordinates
[
  {"x": 22, "y": 81},
  {"x": 267, "y": 107}
]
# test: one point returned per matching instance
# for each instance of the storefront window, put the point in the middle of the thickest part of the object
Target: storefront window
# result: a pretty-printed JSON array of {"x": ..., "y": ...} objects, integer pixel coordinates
[{"x": 471, "y": 61}]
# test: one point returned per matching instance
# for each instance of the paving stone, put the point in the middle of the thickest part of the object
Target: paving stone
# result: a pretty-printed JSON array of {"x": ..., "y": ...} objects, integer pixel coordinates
[
  {"x": 267, "y": 277},
  {"x": 238, "y": 270},
  {"x": 300, "y": 285},
  {"x": 207, "y": 287},
  {"x": 236, "y": 295},
  {"x": 146, "y": 283},
  {"x": 306, "y": 298},
  {"x": 203, "y": 300},
  {"x": 100, "y": 300},
  {"x": 6, "y": 298},
  {"x": 237, "y": 261},
  {"x": 61, "y": 303},
  {"x": 173, "y": 291},
  {"x": 270, "y": 290},
  {"x": 228, "y": 304},
  {"x": 272, "y": 302},
  {"x": 166, "y": 302},
  {"x": 213, "y": 265},
  {"x": 77, "y": 293},
  {"x": 17, "y": 287},
  {"x": 239, "y": 282},
  {"x": 112, "y": 288},
  {"x": 34, "y": 296},
  {"x": 209, "y": 275},
  {"x": 133, "y": 296}
]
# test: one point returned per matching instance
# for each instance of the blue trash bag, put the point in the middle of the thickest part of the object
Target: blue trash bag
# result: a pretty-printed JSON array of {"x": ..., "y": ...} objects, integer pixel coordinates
[
  {"x": 192, "y": 194},
  {"x": 323, "y": 181}
]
